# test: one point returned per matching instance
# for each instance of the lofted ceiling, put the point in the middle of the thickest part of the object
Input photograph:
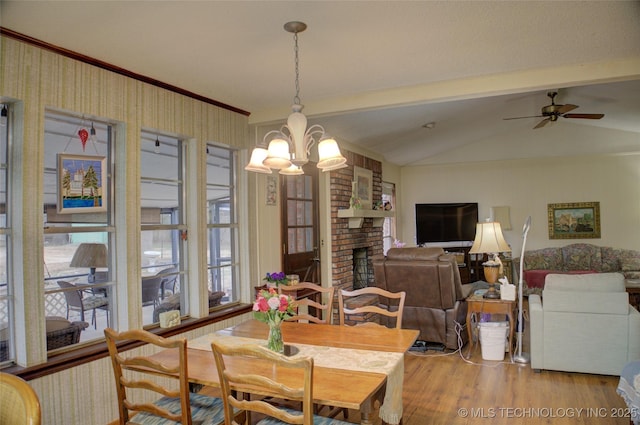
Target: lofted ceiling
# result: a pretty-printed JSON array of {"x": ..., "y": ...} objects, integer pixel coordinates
[{"x": 371, "y": 72}]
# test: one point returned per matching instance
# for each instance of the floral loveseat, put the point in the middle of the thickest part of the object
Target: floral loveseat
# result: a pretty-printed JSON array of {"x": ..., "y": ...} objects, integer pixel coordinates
[{"x": 576, "y": 258}]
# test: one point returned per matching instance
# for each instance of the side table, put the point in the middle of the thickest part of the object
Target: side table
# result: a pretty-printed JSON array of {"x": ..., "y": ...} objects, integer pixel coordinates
[
  {"x": 476, "y": 304},
  {"x": 633, "y": 288}
]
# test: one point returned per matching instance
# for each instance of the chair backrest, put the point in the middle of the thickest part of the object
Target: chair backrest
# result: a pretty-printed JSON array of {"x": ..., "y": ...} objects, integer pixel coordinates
[
  {"x": 19, "y": 404},
  {"x": 293, "y": 381},
  {"x": 169, "y": 276},
  {"x": 150, "y": 289},
  {"x": 393, "y": 311},
  {"x": 128, "y": 375},
  {"x": 74, "y": 298},
  {"x": 308, "y": 291}
]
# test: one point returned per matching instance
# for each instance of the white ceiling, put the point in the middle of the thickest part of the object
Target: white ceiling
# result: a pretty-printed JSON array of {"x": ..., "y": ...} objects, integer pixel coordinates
[{"x": 372, "y": 72}]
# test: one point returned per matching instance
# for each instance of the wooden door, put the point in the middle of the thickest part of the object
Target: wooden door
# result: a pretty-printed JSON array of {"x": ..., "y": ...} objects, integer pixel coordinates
[{"x": 300, "y": 224}]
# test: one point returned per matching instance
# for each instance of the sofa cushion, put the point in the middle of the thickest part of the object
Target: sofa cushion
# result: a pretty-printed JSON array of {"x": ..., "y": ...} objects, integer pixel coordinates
[
  {"x": 544, "y": 259},
  {"x": 610, "y": 259},
  {"x": 56, "y": 323},
  {"x": 536, "y": 278},
  {"x": 630, "y": 264},
  {"x": 582, "y": 256},
  {"x": 596, "y": 282},
  {"x": 599, "y": 293}
]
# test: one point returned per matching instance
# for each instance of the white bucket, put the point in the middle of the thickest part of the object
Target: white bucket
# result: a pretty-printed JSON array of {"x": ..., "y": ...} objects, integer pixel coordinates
[{"x": 492, "y": 339}]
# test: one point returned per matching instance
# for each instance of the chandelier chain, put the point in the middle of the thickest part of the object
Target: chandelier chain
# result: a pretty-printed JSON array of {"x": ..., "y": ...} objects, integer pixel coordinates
[{"x": 296, "y": 98}]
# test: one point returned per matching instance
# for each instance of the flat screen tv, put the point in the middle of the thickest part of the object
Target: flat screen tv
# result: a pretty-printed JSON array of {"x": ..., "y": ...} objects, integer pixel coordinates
[{"x": 451, "y": 222}]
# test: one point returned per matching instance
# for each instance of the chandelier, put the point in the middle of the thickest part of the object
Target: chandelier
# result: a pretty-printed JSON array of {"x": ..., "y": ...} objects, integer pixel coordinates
[{"x": 296, "y": 136}]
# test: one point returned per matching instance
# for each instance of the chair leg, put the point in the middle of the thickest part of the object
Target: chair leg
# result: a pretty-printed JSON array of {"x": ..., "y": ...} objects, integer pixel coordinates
[{"x": 94, "y": 321}]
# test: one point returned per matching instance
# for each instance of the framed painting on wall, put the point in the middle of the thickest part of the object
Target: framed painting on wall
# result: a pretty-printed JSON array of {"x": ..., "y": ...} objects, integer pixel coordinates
[
  {"x": 577, "y": 220},
  {"x": 81, "y": 180},
  {"x": 363, "y": 179}
]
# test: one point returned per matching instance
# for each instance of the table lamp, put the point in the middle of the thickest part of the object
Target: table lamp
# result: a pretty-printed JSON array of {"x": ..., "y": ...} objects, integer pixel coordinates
[
  {"x": 489, "y": 240},
  {"x": 90, "y": 255}
]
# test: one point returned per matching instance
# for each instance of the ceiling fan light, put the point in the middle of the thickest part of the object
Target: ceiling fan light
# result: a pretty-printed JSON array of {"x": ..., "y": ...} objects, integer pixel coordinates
[
  {"x": 329, "y": 155},
  {"x": 293, "y": 170},
  {"x": 258, "y": 155},
  {"x": 278, "y": 156}
]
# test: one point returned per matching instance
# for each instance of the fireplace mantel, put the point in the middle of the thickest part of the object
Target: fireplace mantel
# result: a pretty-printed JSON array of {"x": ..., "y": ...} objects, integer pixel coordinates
[{"x": 356, "y": 217}]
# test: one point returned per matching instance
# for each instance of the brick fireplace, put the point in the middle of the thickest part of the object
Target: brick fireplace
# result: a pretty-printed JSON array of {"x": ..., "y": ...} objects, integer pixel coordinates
[{"x": 345, "y": 240}]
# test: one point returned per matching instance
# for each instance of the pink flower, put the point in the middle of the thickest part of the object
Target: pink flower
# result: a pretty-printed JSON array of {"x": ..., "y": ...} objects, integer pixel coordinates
[
  {"x": 274, "y": 303},
  {"x": 284, "y": 303},
  {"x": 261, "y": 304},
  {"x": 270, "y": 306}
]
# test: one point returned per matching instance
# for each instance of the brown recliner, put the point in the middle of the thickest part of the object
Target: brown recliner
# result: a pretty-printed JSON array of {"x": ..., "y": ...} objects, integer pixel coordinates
[{"x": 435, "y": 298}]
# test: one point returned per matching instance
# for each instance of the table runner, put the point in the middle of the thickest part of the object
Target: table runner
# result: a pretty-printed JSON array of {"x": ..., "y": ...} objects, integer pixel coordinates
[{"x": 388, "y": 363}]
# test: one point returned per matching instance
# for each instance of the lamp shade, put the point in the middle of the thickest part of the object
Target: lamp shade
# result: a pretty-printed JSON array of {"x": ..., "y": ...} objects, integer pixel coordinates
[
  {"x": 329, "y": 155},
  {"x": 90, "y": 255},
  {"x": 489, "y": 239},
  {"x": 255, "y": 164},
  {"x": 278, "y": 156},
  {"x": 293, "y": 170}
]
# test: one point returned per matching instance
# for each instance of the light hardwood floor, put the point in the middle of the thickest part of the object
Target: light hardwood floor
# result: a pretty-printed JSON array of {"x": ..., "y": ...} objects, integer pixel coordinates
[{"x": 449, "y": 390}]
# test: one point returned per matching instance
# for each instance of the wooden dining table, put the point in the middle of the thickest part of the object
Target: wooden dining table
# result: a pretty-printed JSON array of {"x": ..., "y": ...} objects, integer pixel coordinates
[{"x": 334, "y": 384}]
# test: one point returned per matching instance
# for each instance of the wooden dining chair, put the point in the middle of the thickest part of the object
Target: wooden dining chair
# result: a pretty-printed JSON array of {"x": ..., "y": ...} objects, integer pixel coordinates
[
  {"x": 293, "y": 382},
  {"x": 310, "y": 291},
  {"x": 176, "y": 403},
  {"x": 19, "y": 403},
  {"x": 394, "y": 303}
]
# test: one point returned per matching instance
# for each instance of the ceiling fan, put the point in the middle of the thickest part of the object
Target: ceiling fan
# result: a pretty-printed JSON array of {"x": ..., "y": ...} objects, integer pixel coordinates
[{"x": 553, "y": 111}]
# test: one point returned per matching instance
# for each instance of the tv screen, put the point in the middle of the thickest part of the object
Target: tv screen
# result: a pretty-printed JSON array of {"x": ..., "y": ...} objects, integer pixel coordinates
[{"x": 450, "y": 222}]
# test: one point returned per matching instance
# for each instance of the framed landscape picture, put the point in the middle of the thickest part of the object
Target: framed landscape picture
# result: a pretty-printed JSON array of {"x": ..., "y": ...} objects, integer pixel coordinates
[
  {"x": 364, "y": 186},
  {"x": 578, "y": 220},
  {"x": 80, "y": 184}
]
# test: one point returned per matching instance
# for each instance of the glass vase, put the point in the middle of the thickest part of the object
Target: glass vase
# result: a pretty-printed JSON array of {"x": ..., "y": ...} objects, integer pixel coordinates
[{"x": 274, "y": 341}]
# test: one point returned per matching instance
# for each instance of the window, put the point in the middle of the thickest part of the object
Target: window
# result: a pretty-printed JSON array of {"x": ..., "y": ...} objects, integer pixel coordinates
[
  {"x": 222, "y": 224},
  {"x": 6, "y": 290},
  {"x": 163, "y": 225},
  {"x": 78, "y": 230},
  {"x": 389, "y": 224}
]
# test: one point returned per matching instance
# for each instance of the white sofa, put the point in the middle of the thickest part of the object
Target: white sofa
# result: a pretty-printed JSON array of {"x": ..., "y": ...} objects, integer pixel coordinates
[{"x": 583, "y": 323}]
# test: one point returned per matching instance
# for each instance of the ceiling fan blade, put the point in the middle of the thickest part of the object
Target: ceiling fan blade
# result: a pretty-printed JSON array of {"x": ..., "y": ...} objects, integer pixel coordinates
[
  {"x": 566, "y": 108},
  {"x": 517, "y": 118},
  {"x": 542, "y": 123},
  {"x": 586, "y": 116}
]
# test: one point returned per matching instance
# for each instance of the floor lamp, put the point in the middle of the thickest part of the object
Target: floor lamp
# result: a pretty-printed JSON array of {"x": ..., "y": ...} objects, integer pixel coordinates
[{"x": 521, "y": 357}]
